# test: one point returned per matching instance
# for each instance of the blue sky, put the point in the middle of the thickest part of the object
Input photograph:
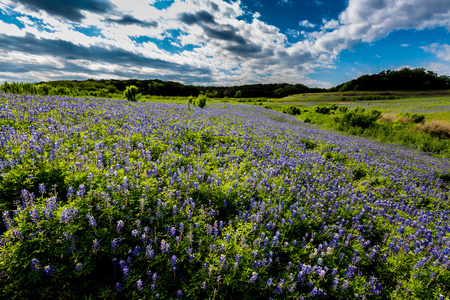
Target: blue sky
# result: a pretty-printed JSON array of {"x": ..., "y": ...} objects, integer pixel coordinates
[{"x": 221, "y": 42}]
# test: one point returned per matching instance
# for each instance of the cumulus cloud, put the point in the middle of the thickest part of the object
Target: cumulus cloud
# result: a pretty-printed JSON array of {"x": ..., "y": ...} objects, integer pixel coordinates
[
  {"x": 130, "y": 20},
  {"x": 71, "y": 10},
  {"x": 441, "y": 51},
  {"x": 306, "y": 23}
]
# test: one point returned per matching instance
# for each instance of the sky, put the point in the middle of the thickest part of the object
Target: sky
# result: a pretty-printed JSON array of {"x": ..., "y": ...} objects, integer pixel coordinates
[{"x": 319, "y": 43}]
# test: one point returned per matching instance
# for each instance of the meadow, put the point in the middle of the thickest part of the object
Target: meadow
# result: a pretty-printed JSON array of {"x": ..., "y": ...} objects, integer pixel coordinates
[{"x": 115, "y": 199}]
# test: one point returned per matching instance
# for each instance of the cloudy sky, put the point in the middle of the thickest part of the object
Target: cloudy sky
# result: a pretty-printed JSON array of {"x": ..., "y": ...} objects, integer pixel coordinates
[{"x": 213, "y": 42}]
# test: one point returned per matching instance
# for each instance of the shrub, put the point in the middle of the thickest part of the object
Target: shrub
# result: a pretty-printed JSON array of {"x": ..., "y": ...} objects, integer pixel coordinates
[
  {"x": 358, "y": 118},
  {"x": 292, "y": 110},
  {"x": 131, "y": 93},
  {"x": 325, "y": 110},
  {"x": 201, "y": 101}
]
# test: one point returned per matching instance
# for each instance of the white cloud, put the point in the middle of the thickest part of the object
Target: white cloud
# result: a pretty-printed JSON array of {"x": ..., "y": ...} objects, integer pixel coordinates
[
  {"x": 439, "y": 68},
  {"x": 441, "y": 51},
  {"x": 404, "y": 45},
  {"x": 331, "y": 24},
  {"x": 285, "y": 2},
  {"x": 306, "y": 23}
]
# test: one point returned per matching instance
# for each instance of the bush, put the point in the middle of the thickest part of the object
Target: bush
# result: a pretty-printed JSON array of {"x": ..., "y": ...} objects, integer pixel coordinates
[
  {"x": 325, "y": 110},
  {"x": 358, "y": 118},
  {"x": 131, "y": 93},
  {"x": 201, "y": 101},
  {"x": 292, "y": 110}
]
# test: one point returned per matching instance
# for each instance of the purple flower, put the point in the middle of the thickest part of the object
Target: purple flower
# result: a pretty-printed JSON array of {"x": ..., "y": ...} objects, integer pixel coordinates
[
  {"x": 139, "y": 285},
  {"x": 42, "y": 189},
  {"x": 79, "y": 266},
  {"x": 119, "y": 287},
  {"x": 35, "y": 264},
  {"x": 115, "y": 244},
  {"x": 48, "y": 270},
  {"x": 68, "y": 214},
  {"x": 119, "y": 226},
  {"x": 179, "y": 294},
  {"x": 34, "y": 215},
  {"x": 254, "y": 277},
  {"x": 173, "y": 262},
  {"x": 95, "y": 246},
  {"x": 165, "y": 247},
  {"x": 92, "y": 221}
]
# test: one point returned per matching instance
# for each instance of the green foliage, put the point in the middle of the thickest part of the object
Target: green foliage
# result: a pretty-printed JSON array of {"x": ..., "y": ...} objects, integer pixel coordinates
[
  {"x": 325, "y": 109},
  {"x": 292, "y": 110},
  {"x": 310, "y": 145},
  {"x": 404, "y": 79},
  {"x": 131, "y": 93},
  {"x": 445, "y": 177},
  {"x": 358, "y": 118},
  {"x": 200, "y": 101}
]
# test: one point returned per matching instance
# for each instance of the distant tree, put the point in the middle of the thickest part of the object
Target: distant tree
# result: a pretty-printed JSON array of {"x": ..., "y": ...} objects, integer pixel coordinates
[{"x": 131, "y": 93}]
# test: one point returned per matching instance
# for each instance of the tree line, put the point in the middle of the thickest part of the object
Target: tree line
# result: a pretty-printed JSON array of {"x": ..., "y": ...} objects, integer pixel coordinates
[{"x": 404, "y": 79}]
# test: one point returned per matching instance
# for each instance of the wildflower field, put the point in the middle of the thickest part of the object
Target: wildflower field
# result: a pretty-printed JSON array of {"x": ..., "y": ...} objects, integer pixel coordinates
[{"x": 127, "y": 200}]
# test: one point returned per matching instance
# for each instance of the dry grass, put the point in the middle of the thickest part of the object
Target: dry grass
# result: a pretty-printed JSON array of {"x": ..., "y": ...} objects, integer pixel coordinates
[
  {"x": 437, "y": 128},
  {"x": 389, "y": 118}
]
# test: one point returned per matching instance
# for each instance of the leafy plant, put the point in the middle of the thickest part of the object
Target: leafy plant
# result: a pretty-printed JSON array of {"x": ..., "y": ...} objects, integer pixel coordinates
[{"x": 131, "y": 93}]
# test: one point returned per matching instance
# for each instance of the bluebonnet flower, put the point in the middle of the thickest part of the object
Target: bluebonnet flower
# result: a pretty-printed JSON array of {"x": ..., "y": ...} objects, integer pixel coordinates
[
  {"x": 42, "y": 189},
  {"x": 119, "y": 226},
  {"x": 165, "y": 247},
  {"x": 173, "y": 262},
  {"x": 34, "y": 215},
  {"x": 95, "y": 246},
  {"x": 115, "y": 244},
  {"x": 7, "y": 220},
  {"x": 344, "y": 285},
  {"x": 179, "y": 294},
  {"x": 79, "y": 266},
  {"x": 335, "y": 282},
  {"x": 139, "y": 285},
  {"x": 92, "y": 221},
  {"x": 317, "y": 292},
  {"x": 35, "y": 264},
  {"x": 48, "y": 270},
  {"x": 281, "y": 284},
  {"x": 17, "y": 234},
  {"x": 149, "y": 252},
  {"x": 81, "y": 191},
  {"x": 237, "y": 260},
  {"x": 119, "y": 287},
  {"x": 222, "y": 261},
  {"x": 68, "y": 214},
  {"x": 137, "y": 251},
  {"x": 172, "y": 231},
  {"x": 70, "y": 192},
  {"x": 254, "y": 277},
  {"x": 292, "y": 287}
]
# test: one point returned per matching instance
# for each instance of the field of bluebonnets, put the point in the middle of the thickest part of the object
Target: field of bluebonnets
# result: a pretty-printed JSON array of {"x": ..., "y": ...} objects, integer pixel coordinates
[{"x": 117, "y": 199}]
